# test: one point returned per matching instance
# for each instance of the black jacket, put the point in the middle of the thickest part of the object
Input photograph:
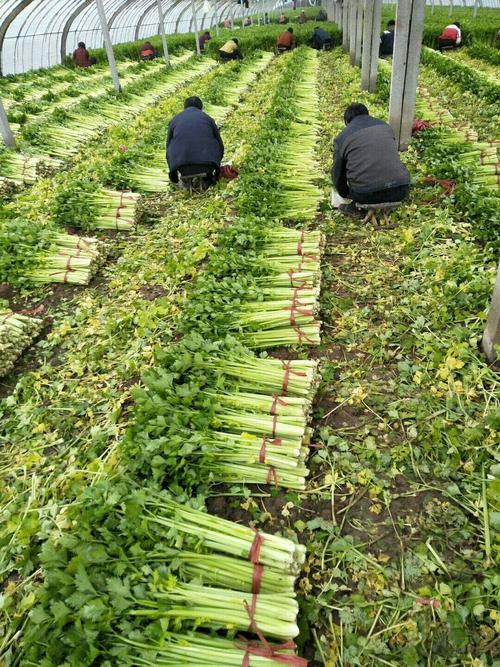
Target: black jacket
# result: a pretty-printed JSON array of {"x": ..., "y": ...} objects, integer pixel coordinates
[
  {"x": 366, "y": 158},
  {"x": 320, "y": 37},
  {"x": 193, "y": 138},
  {"x": 387, "y": 43}
]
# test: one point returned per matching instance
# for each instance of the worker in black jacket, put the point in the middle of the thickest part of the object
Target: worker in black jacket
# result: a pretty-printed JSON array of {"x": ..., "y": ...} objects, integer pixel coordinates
[
  {"x": 367, "y": 166},
  {"x": 387, "y": 40},
  {"x": 320, "y": 38},
  {"x": 194, "y": 144}
]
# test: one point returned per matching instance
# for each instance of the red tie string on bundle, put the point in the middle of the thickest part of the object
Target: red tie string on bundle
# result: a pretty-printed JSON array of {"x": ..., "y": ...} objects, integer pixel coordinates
[
  {"x": 263, "y": 649},
  {"x": 302, "y": 282},
  {"x": 287, "y": 367},
  {"x": 276, "y": 401},
  {"x": 313, "y": 258},
  {"x": 263, "y": 449},
  {"x": 298, "y": 307}
]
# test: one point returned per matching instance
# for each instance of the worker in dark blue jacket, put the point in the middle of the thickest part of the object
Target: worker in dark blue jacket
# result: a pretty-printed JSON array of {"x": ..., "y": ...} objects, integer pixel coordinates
[
  {"x": 320, "y": 39},
  {"x": 367, "y": 166},
  {"x": 194, "y": 144}
]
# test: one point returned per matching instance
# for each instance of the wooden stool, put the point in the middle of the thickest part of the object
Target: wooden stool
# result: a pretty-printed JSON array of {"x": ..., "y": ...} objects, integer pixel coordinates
[
  {"x": 195, "y": 183},
  {"x": 373, "y": 209}
]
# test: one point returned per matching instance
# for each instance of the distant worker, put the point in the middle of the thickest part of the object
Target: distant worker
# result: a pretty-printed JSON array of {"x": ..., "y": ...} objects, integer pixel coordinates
[
  {"x": 286, "y": 41},
  {"x": 367, "y": 166},
  {"x": 247, "y": 22},
  {"x": 230, "y": 51},
  {"x": 387, "y": 40},
  {"x": 282, "y": 19},
  {"x": 322, "y": 15},
  {"x": 451, "y": 37},
  {"x": 302, "y": 17},
  {"x": 227, "y": 23},
  {"x": 294, "y": 5},
  {"x": 194, "y": 144},
  {"x": 204, "y": 39},
  {"x": 321, "y": 39},
  {"x": 148, "y": 51},
  {"x": 81, "y": 57}
]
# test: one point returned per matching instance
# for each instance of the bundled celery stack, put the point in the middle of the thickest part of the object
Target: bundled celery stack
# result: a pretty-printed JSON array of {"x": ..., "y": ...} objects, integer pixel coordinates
[
  {"x": 150, "y": 566},
  {"x": 264, "y": 287},
  {"x": 114, "y": 210},
  {"x": 220, "y": 414},
  {"x": 25, "y": 169},
  {"x": 17, "y": 332},
  {"x": 153, "y": 177},
  {"x": 299, "y": 168},
  {"x": 70, "y": 259},
  {"x": 481, "y": 156}
]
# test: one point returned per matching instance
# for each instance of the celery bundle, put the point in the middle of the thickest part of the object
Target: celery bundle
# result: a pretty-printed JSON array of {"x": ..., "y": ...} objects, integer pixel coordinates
[
  {"x": 274, "y": 300},
  {"x": 114, "y": 210},
  {"x": 142, "y": 561},
  {"x": 71, "y": 259},
  {"x": 24, "y": 169},
  {"x": 17, "y": 332},
  {"x": 243, "y": 419},
  {"x": 193, "y": 649}
]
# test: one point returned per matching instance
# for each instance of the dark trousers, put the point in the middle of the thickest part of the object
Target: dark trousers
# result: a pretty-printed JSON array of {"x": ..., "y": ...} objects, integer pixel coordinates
[
  {"x": 447, "y": 43},
  {"x": 381, "y": 196},
  {"x": 226, "y": 57}
]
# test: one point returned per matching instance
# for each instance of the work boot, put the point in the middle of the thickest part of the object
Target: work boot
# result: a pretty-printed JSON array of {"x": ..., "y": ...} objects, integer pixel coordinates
[{"x": 351, "y": 210}]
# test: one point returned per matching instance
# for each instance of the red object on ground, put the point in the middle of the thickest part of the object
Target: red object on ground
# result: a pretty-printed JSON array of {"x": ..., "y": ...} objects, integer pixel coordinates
[
  {"x": 419, "y": 125},
  {"x": 228, "y": 172}
]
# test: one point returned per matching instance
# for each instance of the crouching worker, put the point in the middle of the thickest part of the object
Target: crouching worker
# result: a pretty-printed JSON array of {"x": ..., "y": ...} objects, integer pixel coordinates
[
  {"x": 230, "y": 51},
  {"x": 321, "y": 39},
  {"x": 367, "y": 166},
  {"x": 148, "y": 51},
  {"x": 285, "y": 41},
  {"x": 194, "y": 145}
]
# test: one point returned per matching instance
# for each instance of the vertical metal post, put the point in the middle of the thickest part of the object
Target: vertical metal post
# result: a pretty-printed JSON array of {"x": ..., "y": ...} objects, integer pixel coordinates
[
  {"x": 216, "y": 19},
  {"x": 474, "y": 11},
  {"x": 195, "y": 23},
  {"x": 163, "y": 34},
  {"x": 406, "y": 62},
  {"x": 433, "y": 6},
  {"x": 345, "y": 25},
  {"x": 108, "y": 45},
  {"x": 450, "y": 10},
  {"x": 5, "y": 130},
  {"x": 353, "y": 18},
  {"x": 359, "y": 32},
  {"x": 371, "y": 44},
  {"x": 491, "y": 335}
]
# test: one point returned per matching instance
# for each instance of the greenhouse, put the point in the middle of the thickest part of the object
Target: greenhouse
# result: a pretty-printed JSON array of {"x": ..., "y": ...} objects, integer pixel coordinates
[{"x": 249, "y": 333}]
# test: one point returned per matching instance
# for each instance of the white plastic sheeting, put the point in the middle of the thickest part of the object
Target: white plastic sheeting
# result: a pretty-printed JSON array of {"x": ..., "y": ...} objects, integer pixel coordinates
[{"x": 38, "y": 33}]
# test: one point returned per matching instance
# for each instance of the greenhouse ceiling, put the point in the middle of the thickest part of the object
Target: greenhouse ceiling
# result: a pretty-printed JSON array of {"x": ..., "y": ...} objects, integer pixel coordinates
[{"x": 38, "y": 33}]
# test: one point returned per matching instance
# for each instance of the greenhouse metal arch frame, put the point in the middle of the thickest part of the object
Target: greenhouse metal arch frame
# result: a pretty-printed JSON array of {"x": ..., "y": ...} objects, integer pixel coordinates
[{"x": 41, "y": 33}]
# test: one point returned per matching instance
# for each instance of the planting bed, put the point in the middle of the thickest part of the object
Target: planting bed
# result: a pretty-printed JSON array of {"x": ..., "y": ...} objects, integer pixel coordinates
[{"x": 264, "y": 431}]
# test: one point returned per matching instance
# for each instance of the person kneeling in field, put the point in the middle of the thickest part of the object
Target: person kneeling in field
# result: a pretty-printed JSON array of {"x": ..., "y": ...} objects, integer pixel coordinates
[
  {"x": 451, "y": 37},
  {"x": 194, "y": 145},
  {"x": 367, "y": 166},
  {"x": 230, "y": 51},
  {"x": 286, "y": 41}
]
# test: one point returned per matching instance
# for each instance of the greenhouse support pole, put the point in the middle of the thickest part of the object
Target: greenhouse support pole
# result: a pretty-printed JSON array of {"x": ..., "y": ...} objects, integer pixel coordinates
[
  {"x": 406, "y": 61},
  {"x": 5, "y": 130},
  {"x": 491, "y": 335},
  {"x": 161, "y": 16},
  {"x": 216, "y": 19},
  {"x": 353, "y": 18},
  {"x": 433, "y": 6},
  {"x": 108, "y": 45},
  {"x": 450, "y": 10},
  {"x": 195, "y": 22},
  {"x": 371, "y": 45},
  {"x": 359, "y": 32},
  {"x": 476, "y": 6},
  {"x": 345, "y": 25}
]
